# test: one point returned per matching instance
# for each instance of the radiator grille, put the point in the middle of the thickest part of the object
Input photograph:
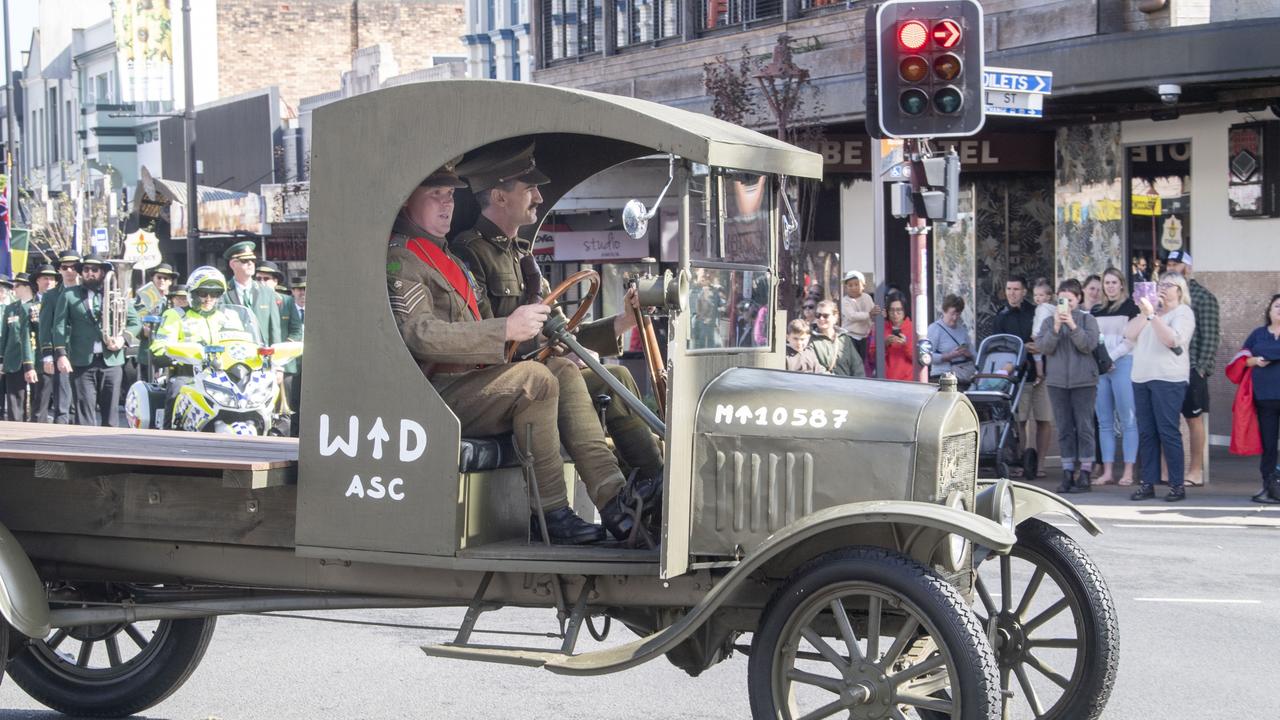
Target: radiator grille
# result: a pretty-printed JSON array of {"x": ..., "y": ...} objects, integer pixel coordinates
[{"x": 959, "y": 460}]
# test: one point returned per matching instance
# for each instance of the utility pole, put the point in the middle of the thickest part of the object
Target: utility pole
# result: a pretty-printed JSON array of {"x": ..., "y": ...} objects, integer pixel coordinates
[
  {"x": 189, "y": 140},
  {"x": 10, "y": 166}
]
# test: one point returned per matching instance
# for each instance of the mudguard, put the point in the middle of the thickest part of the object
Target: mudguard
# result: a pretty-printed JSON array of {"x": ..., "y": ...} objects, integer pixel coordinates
[
  {"x": 975, "y": 528},
  {"x": 1030, "y": 501},
  {"x": 22, "y": 599}
]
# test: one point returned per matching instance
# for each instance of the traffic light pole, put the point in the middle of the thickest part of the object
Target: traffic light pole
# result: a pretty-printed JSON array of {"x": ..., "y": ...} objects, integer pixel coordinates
[{"x": 918, "y": 230}]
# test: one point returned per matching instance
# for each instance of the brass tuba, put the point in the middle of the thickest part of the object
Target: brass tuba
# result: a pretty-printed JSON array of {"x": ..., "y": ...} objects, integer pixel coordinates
[{"x": 116, "y": 297}]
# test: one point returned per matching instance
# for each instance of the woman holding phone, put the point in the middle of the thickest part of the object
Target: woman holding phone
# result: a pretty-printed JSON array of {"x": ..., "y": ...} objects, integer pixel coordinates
[
  {"x": 899, "y": 340},
  {"x": 1264, "y": 346},
  {"x": 1072, "y": 376},
  {"x": 1161, "y": 366},
  {"x": 1115, "y": 389}
]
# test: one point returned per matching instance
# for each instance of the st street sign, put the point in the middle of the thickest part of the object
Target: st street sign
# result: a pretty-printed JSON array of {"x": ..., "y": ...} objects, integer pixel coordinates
[
  {"x": 1017, "y": 80},
  {"x": 1014, "y": 103}
]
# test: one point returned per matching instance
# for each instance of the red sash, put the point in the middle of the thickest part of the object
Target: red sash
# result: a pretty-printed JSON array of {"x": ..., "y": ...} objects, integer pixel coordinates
[{"x": 431, "y": 254}]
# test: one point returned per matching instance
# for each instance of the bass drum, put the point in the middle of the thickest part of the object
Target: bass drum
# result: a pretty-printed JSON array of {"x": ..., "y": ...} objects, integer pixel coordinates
[{"x": 144, "y": 406}]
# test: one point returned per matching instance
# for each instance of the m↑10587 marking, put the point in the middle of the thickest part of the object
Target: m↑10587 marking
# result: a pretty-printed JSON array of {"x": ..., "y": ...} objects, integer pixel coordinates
[{"x": 763, "y": 416}]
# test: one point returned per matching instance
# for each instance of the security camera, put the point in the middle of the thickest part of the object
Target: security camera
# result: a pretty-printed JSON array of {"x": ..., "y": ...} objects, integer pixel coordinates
[{"x": 1169, "y": 93}]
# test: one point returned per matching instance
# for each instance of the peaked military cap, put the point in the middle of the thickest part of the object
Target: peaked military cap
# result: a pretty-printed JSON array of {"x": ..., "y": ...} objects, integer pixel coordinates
[
  {"x": 445, "y": 176},
  {"x": 240, "y": 251},
  {"x": 497, "y": 164},
  {"x": 46, "y": 269}
]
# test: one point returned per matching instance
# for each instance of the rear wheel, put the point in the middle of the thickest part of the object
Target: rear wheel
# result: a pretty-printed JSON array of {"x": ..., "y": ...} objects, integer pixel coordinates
[
  {"x": 867, "y": 633},
  {"x": 111, "y": 670}
]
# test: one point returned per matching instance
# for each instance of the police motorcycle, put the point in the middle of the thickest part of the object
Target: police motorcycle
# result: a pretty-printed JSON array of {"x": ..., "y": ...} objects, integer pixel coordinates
[{"x": 233, "y": 388}]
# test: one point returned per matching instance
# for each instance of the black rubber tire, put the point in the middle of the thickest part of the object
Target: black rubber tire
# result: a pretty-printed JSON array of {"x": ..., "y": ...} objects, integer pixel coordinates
[
  {"x": 162, "y": 672},
  {"x": 940, "y": 602},
  {"x": 1101, "y": 634}
]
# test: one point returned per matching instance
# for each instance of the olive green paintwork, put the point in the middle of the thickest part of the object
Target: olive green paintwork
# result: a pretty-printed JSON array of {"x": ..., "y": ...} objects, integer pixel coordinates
[
  {"x": 1030, "y": 501},
  {"x": 369, "y": 152},
  {"x": 22, "y": 600}
]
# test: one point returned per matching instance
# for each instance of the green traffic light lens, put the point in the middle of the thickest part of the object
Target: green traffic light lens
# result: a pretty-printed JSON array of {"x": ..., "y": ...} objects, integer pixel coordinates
[
  {"x": 913, "y": 68},
  {"x": 913, "y": 102},
  {"x": 948, "y": 101}
]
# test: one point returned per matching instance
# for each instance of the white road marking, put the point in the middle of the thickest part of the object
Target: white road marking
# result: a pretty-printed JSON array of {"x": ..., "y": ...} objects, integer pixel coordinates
[
  {"x": 1212, "y": 601},
  {"x": 1183, "y": 526}
]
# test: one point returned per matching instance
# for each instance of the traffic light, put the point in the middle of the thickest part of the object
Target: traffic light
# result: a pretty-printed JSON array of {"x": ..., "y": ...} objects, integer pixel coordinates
[
  {"x": 928, "y": 68},
  {"x": 939, "y": 193}
]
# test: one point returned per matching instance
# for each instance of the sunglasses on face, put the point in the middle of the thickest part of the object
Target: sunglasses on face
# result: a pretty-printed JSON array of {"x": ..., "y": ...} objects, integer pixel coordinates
[
  {"x": 809, "y": 307},
  {"x": 824, "y": 315},
  {"x": 207, "y": 293},
  {"x": 67, "y": 266}
]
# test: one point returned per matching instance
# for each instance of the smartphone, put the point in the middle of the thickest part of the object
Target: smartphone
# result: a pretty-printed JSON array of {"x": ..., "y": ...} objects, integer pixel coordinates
[
  {"x": 1064, "y": 307},
  {"x": 898, "y": 332},
  {"x": 1145, "y": 290}
]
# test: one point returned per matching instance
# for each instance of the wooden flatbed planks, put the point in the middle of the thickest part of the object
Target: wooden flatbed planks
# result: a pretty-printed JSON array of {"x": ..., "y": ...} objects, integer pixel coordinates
[{"x": 152, "y": 448}]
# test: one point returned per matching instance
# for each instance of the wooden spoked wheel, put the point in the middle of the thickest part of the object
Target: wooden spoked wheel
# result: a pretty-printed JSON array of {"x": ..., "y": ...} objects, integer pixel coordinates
[{"x": 584, "y": 305}]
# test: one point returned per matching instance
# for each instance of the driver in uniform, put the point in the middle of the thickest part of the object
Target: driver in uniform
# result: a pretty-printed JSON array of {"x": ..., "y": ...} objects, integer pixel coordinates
[
  {"x": 505, "y": 185},
  {"x": 460, "y": 347},
  {"x": 203, "y": 322}
]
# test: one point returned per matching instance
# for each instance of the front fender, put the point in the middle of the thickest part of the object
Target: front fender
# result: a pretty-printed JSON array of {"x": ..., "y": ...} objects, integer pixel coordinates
[
  {"x": 22, "y": 599},
  {"x": 918, "y": 515},
  {"x": 1030, "y": 501}
]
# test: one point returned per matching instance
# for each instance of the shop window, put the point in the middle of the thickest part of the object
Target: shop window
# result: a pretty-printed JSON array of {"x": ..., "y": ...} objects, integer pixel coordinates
[{"x": 1158, "y": 211}]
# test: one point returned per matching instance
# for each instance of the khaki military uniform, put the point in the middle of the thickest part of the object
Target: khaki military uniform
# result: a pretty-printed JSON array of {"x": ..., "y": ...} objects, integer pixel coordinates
[
  {"x": 494, "y": 262},
  {"x": 464, "y": 358}
]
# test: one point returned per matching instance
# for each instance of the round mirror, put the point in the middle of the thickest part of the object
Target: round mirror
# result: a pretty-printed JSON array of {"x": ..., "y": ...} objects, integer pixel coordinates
[{"x": 635, "y": 219}]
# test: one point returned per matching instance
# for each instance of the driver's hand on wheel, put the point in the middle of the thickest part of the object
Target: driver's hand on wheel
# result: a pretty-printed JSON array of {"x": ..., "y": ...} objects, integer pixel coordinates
[{"x": 526, "y": 322}]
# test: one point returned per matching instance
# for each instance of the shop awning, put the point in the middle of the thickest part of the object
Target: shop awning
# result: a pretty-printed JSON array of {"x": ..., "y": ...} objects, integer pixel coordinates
[{"x": 221, "y": 212}]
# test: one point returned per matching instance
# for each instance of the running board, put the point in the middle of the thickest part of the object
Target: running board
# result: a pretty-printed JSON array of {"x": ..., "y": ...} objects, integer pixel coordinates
[{"x": 525, "y": 657}]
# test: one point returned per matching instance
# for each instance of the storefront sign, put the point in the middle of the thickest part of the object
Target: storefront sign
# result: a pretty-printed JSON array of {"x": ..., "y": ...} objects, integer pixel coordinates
[
  {"x": 991, "y": 152},
  {"x": 599, "y": 245},
  {"x": 1144, "y": 205}
]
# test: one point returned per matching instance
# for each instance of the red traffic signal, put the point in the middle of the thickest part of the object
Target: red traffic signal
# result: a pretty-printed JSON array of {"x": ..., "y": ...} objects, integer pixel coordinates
[
  {"x": 913, "y": 35},
  {"x": 947, "y": 33}
]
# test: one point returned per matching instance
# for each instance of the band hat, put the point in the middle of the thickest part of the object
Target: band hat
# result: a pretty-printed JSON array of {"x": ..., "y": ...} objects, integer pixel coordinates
[
  {"x": 855, "y": 275},
  {"x": 240, "y": 251},
  {"x": 495, "y": 165},
  {"x": 22, "y": 279},
  {"x": 95, "y": 260},
  {"x": 1180, "y": 256},
  {"x": 68, "y": 256},
  {"x": 300, "y": 285},
  {"x": 163, "y": 269},
  {"x": 445, "y": 176},
  {"x": 6, "y": 281},
  {"x": 177, "y": 291},
  {"x": 270, "y": 268},
  {"x": 282, "y": 288},
  {"x": 46, "y": 270}
]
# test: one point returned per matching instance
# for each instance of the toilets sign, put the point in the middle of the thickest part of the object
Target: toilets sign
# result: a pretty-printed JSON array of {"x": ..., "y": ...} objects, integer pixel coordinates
[{"x": 1011, "y": 91}]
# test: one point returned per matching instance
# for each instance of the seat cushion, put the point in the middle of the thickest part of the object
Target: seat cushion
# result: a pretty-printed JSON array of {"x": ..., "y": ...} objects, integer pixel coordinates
[{"x": 487, "y": 453}]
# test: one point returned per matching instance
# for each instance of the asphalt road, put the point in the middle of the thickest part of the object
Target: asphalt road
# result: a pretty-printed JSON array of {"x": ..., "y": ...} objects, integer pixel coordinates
[{"x": 1199, "y": 625}]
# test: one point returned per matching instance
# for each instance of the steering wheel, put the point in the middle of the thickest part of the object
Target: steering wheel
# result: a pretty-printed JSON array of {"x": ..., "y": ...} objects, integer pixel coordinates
[
  {"x": 583, "y": 306},
  {"x": 653, "y": 359}
]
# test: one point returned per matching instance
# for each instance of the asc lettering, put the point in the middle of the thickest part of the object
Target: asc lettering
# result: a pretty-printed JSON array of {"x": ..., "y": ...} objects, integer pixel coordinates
[{"x": 376, "y": 490}]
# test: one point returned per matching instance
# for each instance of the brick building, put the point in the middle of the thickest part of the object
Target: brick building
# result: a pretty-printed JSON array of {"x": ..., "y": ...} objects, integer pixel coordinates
[{"x": 302, "y": 45}]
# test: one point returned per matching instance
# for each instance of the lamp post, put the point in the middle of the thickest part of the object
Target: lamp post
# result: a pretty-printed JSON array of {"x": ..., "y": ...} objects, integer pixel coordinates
[{"x": 189, "y": 141}]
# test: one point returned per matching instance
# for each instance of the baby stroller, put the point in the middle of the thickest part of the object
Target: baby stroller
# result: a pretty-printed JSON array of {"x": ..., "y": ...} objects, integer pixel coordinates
[{"x": 995, "y": 392}]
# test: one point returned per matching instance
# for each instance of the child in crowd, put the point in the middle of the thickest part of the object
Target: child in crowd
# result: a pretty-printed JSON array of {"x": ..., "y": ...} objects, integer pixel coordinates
[
  {"x": 800, "y": 356},
  {"x": 1046, "y": 306}
]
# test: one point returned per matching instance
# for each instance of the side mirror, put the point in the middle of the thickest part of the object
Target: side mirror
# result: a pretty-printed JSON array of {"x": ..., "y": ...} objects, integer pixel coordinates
[{"x": 636, "y": 217}]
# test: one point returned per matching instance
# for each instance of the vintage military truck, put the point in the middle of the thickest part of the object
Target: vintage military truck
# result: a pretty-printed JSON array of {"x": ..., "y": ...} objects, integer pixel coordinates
[{"x": 837, "y": 522}]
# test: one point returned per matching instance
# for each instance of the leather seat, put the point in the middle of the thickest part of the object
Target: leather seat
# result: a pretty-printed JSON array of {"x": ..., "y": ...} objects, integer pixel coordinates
[{"x": 487, "y": 453}]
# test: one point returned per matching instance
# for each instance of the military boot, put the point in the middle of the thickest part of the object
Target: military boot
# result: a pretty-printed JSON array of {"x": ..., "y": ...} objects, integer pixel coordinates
[
  {"x": 638, "y": 500},
  {"x": 1068, "y": 481},
  {"x": 565, "y": 527}
]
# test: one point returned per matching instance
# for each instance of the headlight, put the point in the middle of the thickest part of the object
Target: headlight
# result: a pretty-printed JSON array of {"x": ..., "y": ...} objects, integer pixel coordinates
[
  {"x": 224, "y": 395},
  {"x": 1006, "y": 509},
  {"x": 957, "y": 544},
  {"x": 261, "y": 388}
]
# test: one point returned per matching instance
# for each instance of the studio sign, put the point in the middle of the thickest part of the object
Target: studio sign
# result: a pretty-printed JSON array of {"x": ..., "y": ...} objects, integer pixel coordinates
[{"x": 411, "y": 444}]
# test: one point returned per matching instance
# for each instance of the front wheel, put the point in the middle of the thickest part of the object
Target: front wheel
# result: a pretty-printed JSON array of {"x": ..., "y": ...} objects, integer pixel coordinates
[
  {"x": 1051, "y": 619},
  {"x": 868, "y": 633},
  {"x": 111, "y": 670}
]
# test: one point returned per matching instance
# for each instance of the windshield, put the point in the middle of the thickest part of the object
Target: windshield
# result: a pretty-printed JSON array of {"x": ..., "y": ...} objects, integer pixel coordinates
[{"x": 730, "y": 237}]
